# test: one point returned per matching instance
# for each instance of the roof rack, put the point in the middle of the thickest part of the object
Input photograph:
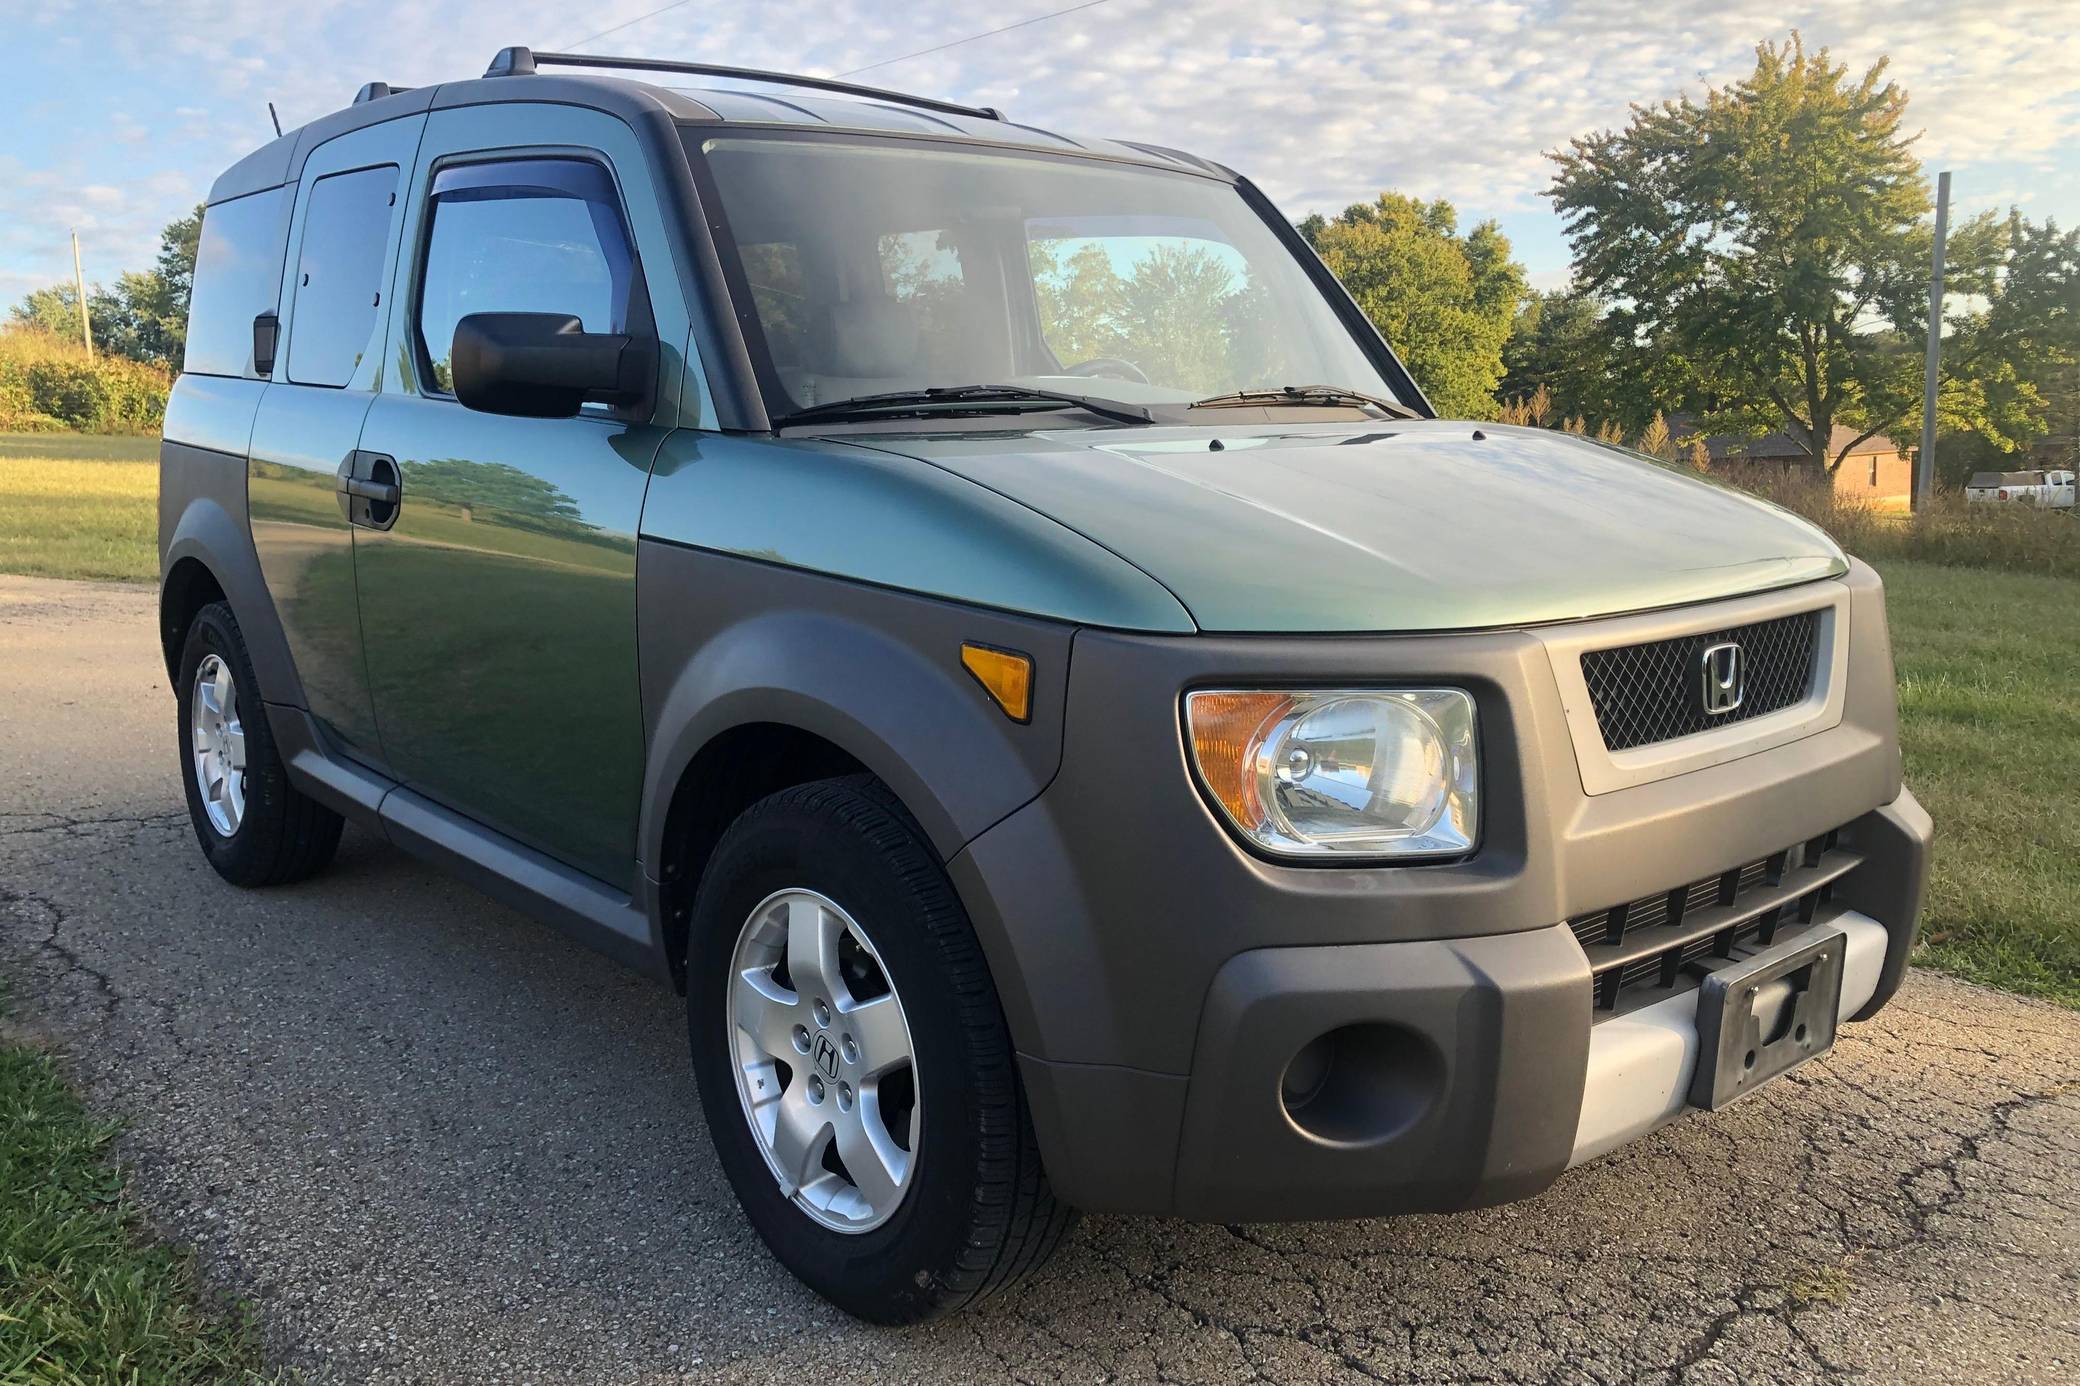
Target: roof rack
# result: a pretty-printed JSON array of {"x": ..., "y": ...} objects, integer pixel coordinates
[
  {"x": 521, "y": 62},
  {"x": 376, "y": 91}
]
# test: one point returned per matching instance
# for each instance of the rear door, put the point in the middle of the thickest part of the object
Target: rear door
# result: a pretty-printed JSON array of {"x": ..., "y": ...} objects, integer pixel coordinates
[
  {"x": 329, "y": 364},
  {"x": 498, "y": 602}
]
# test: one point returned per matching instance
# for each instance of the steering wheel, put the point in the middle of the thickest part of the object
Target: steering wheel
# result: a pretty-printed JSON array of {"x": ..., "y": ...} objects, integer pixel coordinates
[{"x": 1107, "y": 368}]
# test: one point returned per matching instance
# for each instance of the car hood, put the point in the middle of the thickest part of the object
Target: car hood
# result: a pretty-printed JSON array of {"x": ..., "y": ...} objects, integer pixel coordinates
[{"x": 1429, "y": 525}]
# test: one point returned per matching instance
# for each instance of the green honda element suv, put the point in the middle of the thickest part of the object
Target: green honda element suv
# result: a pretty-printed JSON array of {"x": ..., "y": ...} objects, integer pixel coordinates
[{"x": 984, "y": 616}]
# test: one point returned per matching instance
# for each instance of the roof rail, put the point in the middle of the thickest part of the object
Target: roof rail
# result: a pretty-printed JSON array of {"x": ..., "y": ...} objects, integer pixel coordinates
[
  {"x": 522, "y": 62},
  {"x": 376, "y": 91}
]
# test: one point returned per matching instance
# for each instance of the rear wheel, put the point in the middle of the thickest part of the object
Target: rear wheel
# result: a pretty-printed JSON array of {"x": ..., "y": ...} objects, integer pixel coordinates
[
  {"x": 253, "y": 825},
  {"x": 854, "y": 1067}
]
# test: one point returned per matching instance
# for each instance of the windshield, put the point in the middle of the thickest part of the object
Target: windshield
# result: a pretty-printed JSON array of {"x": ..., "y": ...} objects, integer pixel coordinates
[{"x": 879, "y": 266}]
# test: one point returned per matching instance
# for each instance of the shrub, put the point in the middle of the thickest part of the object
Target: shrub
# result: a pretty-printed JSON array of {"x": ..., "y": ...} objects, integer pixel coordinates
[
  {"x": 49, "y": 384},
  {"x": 1951, "y": 531}
]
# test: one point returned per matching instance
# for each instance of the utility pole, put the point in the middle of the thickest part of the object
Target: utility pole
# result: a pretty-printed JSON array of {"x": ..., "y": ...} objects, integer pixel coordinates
[
  {"x": 79, "y": 289},
  {"x": 1925, "y": 464}
]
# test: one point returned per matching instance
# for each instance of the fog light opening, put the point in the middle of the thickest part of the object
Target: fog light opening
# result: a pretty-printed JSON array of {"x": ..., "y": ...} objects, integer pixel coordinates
[{"x": 1361, "y": 1084}]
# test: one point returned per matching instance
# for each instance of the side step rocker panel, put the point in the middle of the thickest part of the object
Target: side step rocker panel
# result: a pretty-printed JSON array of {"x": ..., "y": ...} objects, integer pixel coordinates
[{"x": 596, "y": 915}]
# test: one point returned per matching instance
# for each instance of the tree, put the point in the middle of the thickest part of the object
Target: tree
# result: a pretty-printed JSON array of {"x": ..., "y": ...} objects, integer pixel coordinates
[
  {"x": 1770, "y": 247},
  {"x": 2020, "y": 351},
  {"x": 54, "y": 310},
  {"x": 145, "y": 317},
  {"x": 1565, "y": 343},
  {"x": 1445, "y": 302},
  {"x": 1178, "y": 313}
]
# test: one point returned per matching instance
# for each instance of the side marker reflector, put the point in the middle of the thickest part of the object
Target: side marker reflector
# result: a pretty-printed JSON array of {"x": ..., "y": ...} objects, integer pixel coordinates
[{"x": 1006, "y": 675}]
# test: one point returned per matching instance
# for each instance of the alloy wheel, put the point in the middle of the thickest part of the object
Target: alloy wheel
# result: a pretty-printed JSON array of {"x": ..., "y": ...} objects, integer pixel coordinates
[
  {"x": 217, "y": 740},
  {"x": 826, "y": 1071}
]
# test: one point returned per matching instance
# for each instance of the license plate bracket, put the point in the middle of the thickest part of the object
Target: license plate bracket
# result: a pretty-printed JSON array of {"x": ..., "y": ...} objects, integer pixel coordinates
[{"x": 1766, "y": 1014}]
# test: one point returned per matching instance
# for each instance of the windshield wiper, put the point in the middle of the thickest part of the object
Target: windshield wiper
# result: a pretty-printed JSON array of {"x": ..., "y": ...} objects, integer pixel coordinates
[
  {"x": 959, "y": 396},
  {"x": 1285, "y": 395}
]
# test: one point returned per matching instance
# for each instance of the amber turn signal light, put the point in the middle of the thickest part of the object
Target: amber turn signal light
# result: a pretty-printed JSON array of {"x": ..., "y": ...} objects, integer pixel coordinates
[
  {"x": 1227, "y": 732},
  {"x": 1006, "y": 675}
]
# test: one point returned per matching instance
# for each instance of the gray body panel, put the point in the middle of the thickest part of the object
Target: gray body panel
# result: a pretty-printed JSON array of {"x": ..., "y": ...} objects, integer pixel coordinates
[
  {"x": 729, "y": 643},
  {"x": 203, "y": 522}
]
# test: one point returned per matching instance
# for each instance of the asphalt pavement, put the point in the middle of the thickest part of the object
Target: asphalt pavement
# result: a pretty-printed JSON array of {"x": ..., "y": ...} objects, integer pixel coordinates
[{"x": 430, "y": 1140}]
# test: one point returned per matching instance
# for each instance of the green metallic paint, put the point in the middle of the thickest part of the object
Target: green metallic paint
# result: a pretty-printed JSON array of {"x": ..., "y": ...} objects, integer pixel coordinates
[
  {"x": 500, "y": 622},
  {"x": 1386, "y": 527},
  {"x": 857, "y": 513},
  {"x": 300, "y": 435},
  {"x": 500, "y": 611}
]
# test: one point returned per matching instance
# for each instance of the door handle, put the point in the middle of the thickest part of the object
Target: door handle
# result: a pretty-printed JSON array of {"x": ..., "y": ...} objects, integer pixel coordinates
[
  {"x": 382, "y": 492},
  {"x": 370, "y": 489}
]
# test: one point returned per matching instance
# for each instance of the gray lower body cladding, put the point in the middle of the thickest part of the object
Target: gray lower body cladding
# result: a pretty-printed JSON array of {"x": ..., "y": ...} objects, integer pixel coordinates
[{"x": 1162, "y": 981}]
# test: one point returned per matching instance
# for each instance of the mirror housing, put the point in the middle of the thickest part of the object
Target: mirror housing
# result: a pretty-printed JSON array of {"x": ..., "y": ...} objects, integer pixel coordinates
[{"x": 544, "y": 365}]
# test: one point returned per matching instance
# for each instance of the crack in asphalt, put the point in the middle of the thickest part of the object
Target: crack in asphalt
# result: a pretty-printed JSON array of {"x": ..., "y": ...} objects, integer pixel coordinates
[
  {"x": 26, "y": 908},
  {"x": 75, "y": 826}
]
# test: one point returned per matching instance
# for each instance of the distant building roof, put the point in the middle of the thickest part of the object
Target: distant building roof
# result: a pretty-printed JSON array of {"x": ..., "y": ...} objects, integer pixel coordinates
[{"x": 1778, "y": 446}]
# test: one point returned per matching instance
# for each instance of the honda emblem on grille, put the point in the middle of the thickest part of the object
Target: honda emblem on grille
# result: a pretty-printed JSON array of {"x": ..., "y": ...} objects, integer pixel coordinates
[{"x": 1725, "y": 678}]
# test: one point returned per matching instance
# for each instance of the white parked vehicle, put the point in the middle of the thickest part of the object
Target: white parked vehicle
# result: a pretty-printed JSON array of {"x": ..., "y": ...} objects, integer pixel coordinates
[{"x": 2052, "y": 490}]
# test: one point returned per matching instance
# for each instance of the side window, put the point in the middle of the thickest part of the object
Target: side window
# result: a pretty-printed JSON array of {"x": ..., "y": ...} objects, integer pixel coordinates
[
  {"x": 238, "y": 271},
  {"x": 346, "y": 234},
  {"x": 529, "y": 236}
]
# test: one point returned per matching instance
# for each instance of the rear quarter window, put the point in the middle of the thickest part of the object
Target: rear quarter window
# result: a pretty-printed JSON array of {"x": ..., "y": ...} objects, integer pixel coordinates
[
  {"x": 339, "y": 283},
  {"x": 238, "y": 275}
]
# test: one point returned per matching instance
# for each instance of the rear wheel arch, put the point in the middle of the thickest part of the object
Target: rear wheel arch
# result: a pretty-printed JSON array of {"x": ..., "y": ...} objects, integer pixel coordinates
[{"x": 188, "y": 587}]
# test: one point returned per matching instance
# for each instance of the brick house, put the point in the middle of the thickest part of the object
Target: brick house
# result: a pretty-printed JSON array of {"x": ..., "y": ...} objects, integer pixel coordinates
[{"x": 1877, "y": 470}]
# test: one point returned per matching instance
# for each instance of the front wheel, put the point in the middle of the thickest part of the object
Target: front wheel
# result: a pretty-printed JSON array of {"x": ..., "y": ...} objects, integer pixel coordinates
[{"x": 854, "y": 1066}]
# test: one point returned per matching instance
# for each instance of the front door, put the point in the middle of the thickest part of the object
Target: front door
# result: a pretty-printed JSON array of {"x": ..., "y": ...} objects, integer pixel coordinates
[
  {"x": 498, "y": 598},
  {"x": 329, "y": 363}
]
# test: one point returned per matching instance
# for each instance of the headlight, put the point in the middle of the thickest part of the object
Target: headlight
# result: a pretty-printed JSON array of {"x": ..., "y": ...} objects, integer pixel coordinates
[{"x": 1341, "y": 772}]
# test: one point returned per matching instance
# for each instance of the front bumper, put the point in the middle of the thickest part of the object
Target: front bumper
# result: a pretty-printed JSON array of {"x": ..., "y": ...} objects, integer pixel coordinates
[
  {"x": 1160, "y": 980},
  {"x": 1482, "y": 1071}
]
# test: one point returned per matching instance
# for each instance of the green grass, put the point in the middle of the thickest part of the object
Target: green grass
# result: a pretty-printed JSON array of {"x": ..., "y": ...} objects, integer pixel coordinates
[
  {"x": 94, "y": 447},
  {"x": 1989, "y": 668},
  {"x": 88, "y": 514},
  {"x": 85, "y": 1295}
]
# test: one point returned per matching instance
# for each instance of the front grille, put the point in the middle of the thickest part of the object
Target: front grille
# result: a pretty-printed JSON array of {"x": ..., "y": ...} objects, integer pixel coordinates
[
  {"x": 1658, "y": 945},
  {"x": 1655, "y": 692}
]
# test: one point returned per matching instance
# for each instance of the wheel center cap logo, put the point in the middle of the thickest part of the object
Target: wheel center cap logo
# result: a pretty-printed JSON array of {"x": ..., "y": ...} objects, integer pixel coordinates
[{"x": 826, "y": 1056}]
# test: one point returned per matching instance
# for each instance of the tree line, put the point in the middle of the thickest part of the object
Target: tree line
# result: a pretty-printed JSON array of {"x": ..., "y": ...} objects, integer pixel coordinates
[
  {"x": 144, "y": 317},
  {"x": 1753, "y": 260}
]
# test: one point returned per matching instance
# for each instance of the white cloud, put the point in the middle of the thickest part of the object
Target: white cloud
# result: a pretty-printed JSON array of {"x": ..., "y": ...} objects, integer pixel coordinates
[{"x": 1458, "y": 100}]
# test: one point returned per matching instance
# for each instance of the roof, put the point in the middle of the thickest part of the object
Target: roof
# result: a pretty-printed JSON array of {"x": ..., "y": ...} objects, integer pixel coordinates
[
  {"x": 774, "y": 103},
  {"x": 1779, "y": 446}
]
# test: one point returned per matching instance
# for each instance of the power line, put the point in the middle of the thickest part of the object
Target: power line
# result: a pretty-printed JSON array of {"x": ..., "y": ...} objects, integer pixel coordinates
[
  {"x": 940, "y": 48},
  {"x": 575, "y": 44}
]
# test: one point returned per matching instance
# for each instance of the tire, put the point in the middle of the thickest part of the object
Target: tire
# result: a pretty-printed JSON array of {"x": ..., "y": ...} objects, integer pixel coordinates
[
  {"x": 976, "y": 1213},
  {"x": 275, "y": 834}
]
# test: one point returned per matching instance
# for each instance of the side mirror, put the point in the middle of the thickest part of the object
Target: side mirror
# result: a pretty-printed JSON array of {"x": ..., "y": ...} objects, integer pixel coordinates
[{"x": 544, "y": 365}]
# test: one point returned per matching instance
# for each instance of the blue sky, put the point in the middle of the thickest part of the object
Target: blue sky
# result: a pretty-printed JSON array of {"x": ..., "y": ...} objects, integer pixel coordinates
[{"x": 116, "y": 116}]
